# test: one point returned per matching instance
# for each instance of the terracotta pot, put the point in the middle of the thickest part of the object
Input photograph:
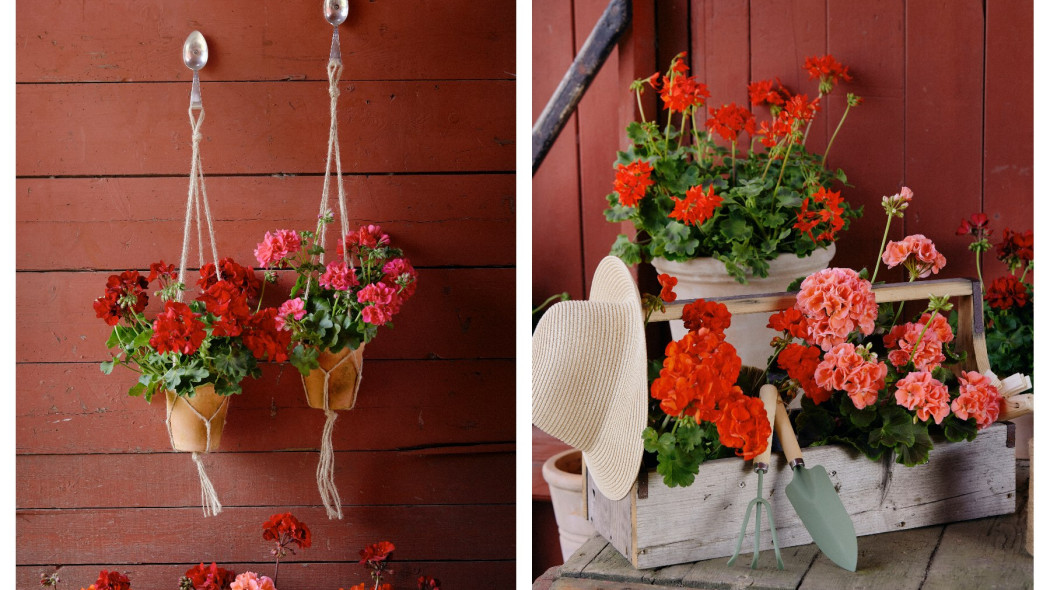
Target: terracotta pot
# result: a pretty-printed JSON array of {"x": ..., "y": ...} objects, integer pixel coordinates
[
  {"x": 189, "y": 433},
  {"x": 344, "y": 374},
  {"x": 564, "y": 475},
  {"x": 707, "y": 278}
]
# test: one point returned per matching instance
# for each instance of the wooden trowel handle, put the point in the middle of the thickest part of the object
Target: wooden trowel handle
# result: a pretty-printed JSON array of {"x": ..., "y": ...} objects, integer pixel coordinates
[
  {"x": 768, "y": 395},
  {"x": 786, "y": 434}
]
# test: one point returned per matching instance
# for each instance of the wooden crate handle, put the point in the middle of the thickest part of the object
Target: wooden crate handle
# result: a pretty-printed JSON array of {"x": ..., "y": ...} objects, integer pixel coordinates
[{"x": 970, "y": 337}]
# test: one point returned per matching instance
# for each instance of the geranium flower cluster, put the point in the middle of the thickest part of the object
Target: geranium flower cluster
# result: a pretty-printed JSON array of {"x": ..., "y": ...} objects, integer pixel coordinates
[
  {"x": 688, "y": 187},
  {"x": 339, "y": 303},
  {"x": 217, "y": 338},
  {"x": 698, "y": 379},
  {"x": 202, "y": 577},
  {"x": 835, "y": 302}
]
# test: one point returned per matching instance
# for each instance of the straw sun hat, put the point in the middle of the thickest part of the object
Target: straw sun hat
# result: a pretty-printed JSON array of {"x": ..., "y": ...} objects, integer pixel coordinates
[{"x": 588, "y": 377}]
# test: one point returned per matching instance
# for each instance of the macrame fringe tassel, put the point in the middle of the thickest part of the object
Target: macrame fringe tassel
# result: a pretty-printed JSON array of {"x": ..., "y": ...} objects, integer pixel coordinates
[
  {"x": 326, "y": 470},
  {"x": 209, "y": 499}
]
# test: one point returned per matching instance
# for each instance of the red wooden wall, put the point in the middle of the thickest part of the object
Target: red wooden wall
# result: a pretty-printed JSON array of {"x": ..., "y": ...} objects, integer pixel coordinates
[
  {"x": 947, "y": 88},
  {"x": 426, "y": 122}
]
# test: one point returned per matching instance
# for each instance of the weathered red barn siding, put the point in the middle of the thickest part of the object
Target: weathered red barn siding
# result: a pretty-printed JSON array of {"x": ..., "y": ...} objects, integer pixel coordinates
[
  {"x": 947, "y": 111},
  {"x": 426, "y": 127}
]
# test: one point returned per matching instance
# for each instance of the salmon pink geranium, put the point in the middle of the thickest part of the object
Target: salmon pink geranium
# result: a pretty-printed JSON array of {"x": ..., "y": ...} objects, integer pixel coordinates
[
  {"x": 339, "y": 304},
  {"x": 215, "y": 339},
  {"x": 835, "y": 302},
  {"x": 702, "y": 186}
]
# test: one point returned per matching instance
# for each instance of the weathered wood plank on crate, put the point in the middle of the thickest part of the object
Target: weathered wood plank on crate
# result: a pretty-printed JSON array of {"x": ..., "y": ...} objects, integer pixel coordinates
[
  {"x": 278, "y": 479},
  {"x": 455, "y": 313},
  {"x": 76, "y": 537},
  {"x": 942, "y": 115},
  {"x": 262, "y": 128},
  {"x": 436, "y": 220},
  {"x": 457, "y": 39},
  {"x": 62, "y": 407},
  {"x": 475, "y": 575},
  {"x": 961, "y": 481}
]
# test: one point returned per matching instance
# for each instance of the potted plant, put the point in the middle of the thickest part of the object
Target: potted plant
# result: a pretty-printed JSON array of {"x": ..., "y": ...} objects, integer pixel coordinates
[
  {"x": 197, "y": 353},
  {"x": 719, "y": 213},
  {"x": 333, "y": 310}
]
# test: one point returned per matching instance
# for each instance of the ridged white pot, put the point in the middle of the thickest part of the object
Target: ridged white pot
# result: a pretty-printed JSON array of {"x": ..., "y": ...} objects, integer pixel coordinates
[
  {"x": 565, "y": 479},
  {"x": 707, "y": 278}
]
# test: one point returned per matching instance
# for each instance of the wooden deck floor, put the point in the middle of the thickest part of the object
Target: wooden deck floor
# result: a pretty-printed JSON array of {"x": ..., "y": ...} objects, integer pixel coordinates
[{"x": 982, "y": 553}]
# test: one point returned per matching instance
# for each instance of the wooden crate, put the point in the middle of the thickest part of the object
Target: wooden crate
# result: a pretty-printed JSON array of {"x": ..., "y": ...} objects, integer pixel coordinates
[{"x": 655, "y": 525}]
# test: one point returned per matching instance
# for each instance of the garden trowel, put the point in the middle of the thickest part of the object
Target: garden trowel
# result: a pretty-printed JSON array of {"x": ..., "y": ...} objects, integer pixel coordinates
[{"x": 813, "y": 496}]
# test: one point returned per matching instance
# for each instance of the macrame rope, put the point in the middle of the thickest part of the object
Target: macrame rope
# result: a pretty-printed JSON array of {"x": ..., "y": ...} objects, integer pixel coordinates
[
  {"x": 326, "y": 463},
  {"x": 196, "y": 199}
]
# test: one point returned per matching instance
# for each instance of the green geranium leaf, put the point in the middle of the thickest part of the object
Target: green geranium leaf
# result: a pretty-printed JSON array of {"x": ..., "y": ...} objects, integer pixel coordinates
[
  {"x": 678, "y": 468},
  {"x": 626, "y": 250},
  {"x": 956, "y": 430},
  {"x": 304, "y": 358},
  {"x": 107, "y": 366},
  {"x": 735, "y": 228},
  {"x": 916, "y": 453},
  {"x": 617, "y": 212}
]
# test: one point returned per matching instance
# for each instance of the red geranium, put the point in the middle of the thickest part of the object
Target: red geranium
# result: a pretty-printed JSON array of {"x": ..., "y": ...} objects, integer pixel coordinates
[
  {"x": 800, "y": 362},
  {"x": 976, "y": 226},
  {"x": 226, "y": 301},
  {"x": 729, "y": 120},
  {"x": 697, "y": 207},
  {"x": 762, "y": 92},
  {"x": 210, "y": 577},
  {"x": 828, "y": 70},
  {"x": 428, "y": 583},
  {"x": 1016, "y": 249},
  {"x": 125, "y": 295},
  {"x": 825, "y": 215},
  {"x": 631, "y": 182},
  {"x": 243, "y": 278},
  {"x": 262, "y": 337},
  {"x": 1006, "y": 292},
  {"x": 791, "y": 321},
  {"x": 112, "y": 581},
  {"x": 744, "y": 425},
  {"x": 374, "y": 557},
  {"x": 681, "y": 91},
  {"x": 706, "y": 314},
  {"x": 177, "y": 329},
  {"x": 667, "y": 284},
  {"x": 161, "y": 270}
]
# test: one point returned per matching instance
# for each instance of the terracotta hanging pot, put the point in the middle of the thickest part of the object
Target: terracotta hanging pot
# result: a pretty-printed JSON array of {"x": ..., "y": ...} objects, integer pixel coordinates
[
  {"x": 340, "y": 372},
  {"x": 195, "y": 423}
]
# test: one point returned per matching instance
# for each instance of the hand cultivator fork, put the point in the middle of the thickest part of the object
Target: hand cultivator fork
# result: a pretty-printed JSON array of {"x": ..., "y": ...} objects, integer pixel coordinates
[{"x": 768, "y": 395}]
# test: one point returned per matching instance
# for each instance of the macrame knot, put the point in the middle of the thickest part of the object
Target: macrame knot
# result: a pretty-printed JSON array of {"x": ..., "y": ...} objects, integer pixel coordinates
[
  {"x": 333, "y": 91},
  {"x": 197, "y": 136}
]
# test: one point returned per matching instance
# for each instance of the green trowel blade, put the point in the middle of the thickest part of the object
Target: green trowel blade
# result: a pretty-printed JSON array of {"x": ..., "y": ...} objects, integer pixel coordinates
[{"x": 819, "y": 507}]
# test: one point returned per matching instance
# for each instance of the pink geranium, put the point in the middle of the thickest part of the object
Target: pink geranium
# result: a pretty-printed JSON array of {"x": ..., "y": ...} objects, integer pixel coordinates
[
  {"x": 902, "y": 340},
  {"x": 367, "y": 236},
  {"x": 383, "y": 300},
  {"x": 277, "y": 246},
  {"x": 398, "y": 273},
  {"x": 919, "y": 391},
  {"x": 978, "y": 399},
  {"x": 252, "y": 581},
  {"x": 338, "y": 276},
  {"x": 917, "y": 253},
  {"x": 853, "y": 370},
  {"x": 836, "y": 301},
  {"x": 293, "y": 308}
]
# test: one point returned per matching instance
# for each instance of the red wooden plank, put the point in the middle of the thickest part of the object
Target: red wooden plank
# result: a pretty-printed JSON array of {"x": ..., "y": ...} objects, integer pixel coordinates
[
  {"x": 279, "y": 479},
  {"x": 62, "y": 408},
  {"x": 250, "y": 40},
  {"x": 182, "y": 535},
  {"x": 943, "y": 120},
  {"x": 599, "y": 139},
  {"x": 266, "y": 127},
  {"x": 721, "y": 51},
  {"x": 673, "y": 24},
  {"x": 556, "y": 250},
  {"x": 455, "y": 313},
  {"x": 111, "y": 223},
  {"x": 1008, "y": 129},
  {"x": 783, "y": 35},
  {"x": 869, "y": 40},
  {"x": 476, "y": 575}
]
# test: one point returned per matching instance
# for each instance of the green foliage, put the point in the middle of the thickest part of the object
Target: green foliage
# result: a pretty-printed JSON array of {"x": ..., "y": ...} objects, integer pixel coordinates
[
  {"x": 1010, "y": 337},
  {"x": 680, "y": 451}
]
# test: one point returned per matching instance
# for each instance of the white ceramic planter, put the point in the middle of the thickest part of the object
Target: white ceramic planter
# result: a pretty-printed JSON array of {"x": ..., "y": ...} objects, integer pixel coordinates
[
  {"x": 564, "y": 478},
  {"x": 707, "y": 278}
]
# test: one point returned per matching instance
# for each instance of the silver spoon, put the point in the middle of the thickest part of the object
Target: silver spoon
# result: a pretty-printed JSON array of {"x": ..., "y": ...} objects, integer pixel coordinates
[
  {"x": 335, "y": 12},
  {"x": 195, "y": 55}
]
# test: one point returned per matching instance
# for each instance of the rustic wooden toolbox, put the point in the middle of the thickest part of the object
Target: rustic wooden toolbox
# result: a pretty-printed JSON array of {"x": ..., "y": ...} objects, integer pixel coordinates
[{"x": 656, "y": 526}]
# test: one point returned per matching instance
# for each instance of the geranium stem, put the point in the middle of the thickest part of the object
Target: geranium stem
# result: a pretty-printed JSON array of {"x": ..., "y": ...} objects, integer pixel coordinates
[
  {"x": 276, "y": 566},
  {"x": 918, "y": 341},
  {"x": 732, "y": 154},
  {"x": 835, "y": 134},
  {"x": 878, "y": 255},
  {"x": 782, "y": 169},
  {"x": 641, "y": 109},
  {"x": 980, "y": 279}
]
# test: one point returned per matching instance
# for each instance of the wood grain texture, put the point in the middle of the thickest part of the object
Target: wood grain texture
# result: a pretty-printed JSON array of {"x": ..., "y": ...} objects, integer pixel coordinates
[
  {"x": 480, "y": 575},
  {"x": 420, "y": 532},
  {"x": 942, "y": 117},
  {"x": 556, "y": 229},
  {"x": 418, "y": 39},
  {"x": 436, "y": 220},
  {"x": 265, "y": 127},
  {"x": 961, "y": 481},
  {"x": 278, "y": 479},
  {"x": 62, "y": 408},
  {"x": 455, "y": 313},
  {"x": 721, "y": 51}
]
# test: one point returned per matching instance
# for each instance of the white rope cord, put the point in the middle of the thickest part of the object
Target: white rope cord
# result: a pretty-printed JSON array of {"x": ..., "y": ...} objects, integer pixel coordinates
[
  {"x": 197, "y": 197},
  {"x": 326, "y": 463}
]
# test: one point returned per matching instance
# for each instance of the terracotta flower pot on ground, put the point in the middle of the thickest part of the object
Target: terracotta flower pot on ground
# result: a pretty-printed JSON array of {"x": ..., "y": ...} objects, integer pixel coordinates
[
  {"x": 707, "y": 278},
  {"x": 564, "y": 475},
  {"x": 191, "y": 418},
  {"x": 342, "y": 371}
]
